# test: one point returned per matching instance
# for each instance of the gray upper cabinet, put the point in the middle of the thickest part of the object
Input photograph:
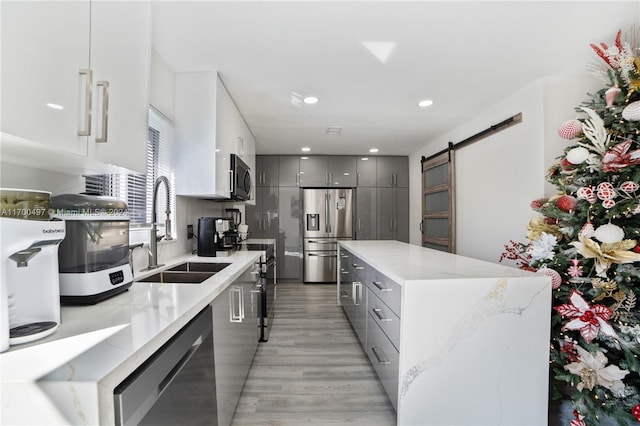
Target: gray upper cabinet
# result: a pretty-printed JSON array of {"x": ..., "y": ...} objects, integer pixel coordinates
[
  {"x": 366, "y": 171},
  {"x": 267, "y": 170},
  {"x": 342, "y": 171},
  {"x": 313, "y": 170},
  {"x": 289, "y": 170},
  {"x": 393, "y": 172},
  {"x": 328, "y": 171}
]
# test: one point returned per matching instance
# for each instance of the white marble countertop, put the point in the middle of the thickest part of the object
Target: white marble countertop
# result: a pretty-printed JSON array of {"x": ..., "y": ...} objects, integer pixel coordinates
[
  {"x": 407, "y": 263},
  {"x": 102, "y": 344}
]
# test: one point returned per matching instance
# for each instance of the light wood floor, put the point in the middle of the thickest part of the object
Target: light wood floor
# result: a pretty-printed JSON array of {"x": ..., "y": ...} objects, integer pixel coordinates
[{"x": 312, "y": 370}]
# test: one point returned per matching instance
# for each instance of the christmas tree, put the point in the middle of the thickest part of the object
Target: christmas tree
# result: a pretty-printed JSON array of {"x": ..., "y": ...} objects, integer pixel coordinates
[{"x": 586, "y": 239}]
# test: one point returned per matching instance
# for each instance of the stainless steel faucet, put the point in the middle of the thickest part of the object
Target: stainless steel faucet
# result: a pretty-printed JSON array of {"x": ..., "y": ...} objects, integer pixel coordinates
[{"x": 153, "y": 239}]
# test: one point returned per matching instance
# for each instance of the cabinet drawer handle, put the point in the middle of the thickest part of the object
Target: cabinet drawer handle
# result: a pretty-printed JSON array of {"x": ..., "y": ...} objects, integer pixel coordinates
[
  {"x": 344, "y": 294},
  {"x": 355, "y": 265},
  {"x": 381, "y": 286},
  {"x": 379, "y": 314},
  {"x": 236, "y": 313},
  {"x": 88, "y": 85},
  {"x": 357, "y": 292},
  {"x": 377, "y": 352},
  {"x": 105, "y": 111},
  {"x": 344, "y": 272}
]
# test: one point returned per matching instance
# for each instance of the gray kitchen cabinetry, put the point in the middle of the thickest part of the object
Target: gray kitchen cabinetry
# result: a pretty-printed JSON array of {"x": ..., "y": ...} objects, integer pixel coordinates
[
  {"x": 366, "y": 168},
  {"x": 262, "y": 218},
  {"x": 392, "y": 172},
  {"x": 235, "y": 340},
  {"x": 393, "y": 214},
  {"x": 267, "y": 170},
  {"x": 289, "y": 170},
  {"x": 289, "y": 234},
  {"x": 365, "y": 221},
  {"x": 328, "y": 171},
  {"x": 353, "y": 293},
  {"x": 372, "y": 303}
]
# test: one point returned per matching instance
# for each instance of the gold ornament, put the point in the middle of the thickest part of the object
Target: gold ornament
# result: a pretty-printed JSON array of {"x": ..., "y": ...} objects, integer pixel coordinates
[
  {"x": 537, "y": 226},
  {"x": 606, "y": 254}
]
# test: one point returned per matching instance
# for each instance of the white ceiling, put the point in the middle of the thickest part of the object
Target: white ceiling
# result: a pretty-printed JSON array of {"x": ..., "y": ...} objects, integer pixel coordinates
[{"x": 466, "y": 56}]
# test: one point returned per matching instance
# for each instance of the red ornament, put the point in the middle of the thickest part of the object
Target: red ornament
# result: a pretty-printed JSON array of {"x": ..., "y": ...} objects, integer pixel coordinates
[
  {"x": 636, "y": 249},
  {"x": 566, "y": 165},
  {"x": 636, "y": 412},
  {"x": 566, "y": 203}
]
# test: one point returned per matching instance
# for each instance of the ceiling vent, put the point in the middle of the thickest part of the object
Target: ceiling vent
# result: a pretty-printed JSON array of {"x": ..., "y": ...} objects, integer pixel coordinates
[{"x": 334, "y": 130}]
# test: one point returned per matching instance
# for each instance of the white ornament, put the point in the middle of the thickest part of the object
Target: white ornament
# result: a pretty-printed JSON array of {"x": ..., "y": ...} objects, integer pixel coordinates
[
  {"x": 587, "y": 230},
  {"x": 632, "y": 111},
  {"x": 578, "y": 155},
  {"x": 609, "y": 233}
]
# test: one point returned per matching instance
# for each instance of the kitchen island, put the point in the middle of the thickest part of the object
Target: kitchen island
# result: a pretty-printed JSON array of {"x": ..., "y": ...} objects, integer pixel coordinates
[
  {"x": 69, "y": 377},
  {"x": 453, "y": 340}
]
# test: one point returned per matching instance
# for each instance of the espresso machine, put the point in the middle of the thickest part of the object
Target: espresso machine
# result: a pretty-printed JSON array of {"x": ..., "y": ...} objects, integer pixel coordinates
[
  {"x": 30, "y": 291},
  {"x": 217, "y": 236}
]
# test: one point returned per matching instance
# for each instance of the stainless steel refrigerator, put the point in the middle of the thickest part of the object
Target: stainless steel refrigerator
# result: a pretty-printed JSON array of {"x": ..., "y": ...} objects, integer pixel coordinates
[{"x": 327, "y": 218}]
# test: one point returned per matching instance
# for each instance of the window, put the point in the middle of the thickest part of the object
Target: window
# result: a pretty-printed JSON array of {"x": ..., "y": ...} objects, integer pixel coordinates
[{"x": 137, "y": 189}]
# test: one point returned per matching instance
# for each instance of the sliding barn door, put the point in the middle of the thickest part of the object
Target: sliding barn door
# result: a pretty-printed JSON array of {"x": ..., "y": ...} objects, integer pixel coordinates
[{"x": 438, "y": 202}]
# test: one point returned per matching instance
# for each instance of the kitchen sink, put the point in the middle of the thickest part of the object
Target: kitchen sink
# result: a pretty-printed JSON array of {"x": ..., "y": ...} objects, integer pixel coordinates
[
  {"x": 199, "y": 267},
  {"x": 177, "y": 277}
]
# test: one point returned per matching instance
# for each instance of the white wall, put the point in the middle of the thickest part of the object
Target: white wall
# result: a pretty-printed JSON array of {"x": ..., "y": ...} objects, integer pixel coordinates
[{"x": 498, "y": 177}]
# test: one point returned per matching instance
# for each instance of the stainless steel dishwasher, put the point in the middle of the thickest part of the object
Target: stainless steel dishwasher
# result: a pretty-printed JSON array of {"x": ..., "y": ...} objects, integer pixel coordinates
[{"x": 176, "y": 385}]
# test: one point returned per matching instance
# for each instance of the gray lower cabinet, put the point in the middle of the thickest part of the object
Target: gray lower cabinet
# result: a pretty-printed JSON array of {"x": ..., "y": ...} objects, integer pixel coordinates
[
  {"x": 262, "y": 218},
  {"x": 235, "y": 340},
  {"x": 289, "y": 244},
  {"x": 372, "y": 303},
  {"x": 353, "y": 293},
  {"x": 366, "y": 218},
  {"x": 392, "y": 214}
]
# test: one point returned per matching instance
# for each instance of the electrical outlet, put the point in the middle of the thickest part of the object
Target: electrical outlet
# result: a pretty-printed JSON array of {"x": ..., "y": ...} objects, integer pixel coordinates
[{"x": 189, "y": 232}]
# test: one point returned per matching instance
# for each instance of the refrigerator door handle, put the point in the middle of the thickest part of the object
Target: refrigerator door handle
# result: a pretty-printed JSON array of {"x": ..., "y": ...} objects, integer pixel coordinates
[{"x": 327, "y": 212}]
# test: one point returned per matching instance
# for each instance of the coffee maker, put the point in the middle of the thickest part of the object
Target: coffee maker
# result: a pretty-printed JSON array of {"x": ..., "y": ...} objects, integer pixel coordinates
[
  {"x": 29, "y": 284},
  {"x": 216, "y": 236}
]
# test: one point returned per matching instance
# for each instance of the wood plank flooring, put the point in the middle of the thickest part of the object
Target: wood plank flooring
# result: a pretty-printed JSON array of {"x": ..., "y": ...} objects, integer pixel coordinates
[{"x": 312, "y": 370}]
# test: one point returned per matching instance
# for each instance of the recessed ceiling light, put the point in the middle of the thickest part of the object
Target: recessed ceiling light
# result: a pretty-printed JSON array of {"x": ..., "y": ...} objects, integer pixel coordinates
[
  {"x": 333, "y": 130},
  {"x": 310, "y": 100},
  {"x": 425, "y": 103},
  {"x": 305, "y": 149},
  {"x": 55, "y": 106},
  {"x": 304, "y": 158},
  {"x": 364, "y": 158},
  {"x": 373, "y": 150}
]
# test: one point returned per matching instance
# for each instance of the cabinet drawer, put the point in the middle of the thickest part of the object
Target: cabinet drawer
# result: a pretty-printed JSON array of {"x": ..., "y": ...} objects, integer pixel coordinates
[
  {"x": 359, "y": 268},
  {"x": 384, "y": 358},
  {"x": 387, "y": 290},
  {"x": 385, "y": 318}
]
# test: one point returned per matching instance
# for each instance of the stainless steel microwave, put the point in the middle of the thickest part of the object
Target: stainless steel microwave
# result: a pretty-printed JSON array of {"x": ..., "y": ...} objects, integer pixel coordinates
[{"x": 240, "y": 179}]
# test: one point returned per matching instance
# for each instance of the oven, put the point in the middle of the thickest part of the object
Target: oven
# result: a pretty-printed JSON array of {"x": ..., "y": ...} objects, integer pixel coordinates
[{"x": 268, "y": 292}]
